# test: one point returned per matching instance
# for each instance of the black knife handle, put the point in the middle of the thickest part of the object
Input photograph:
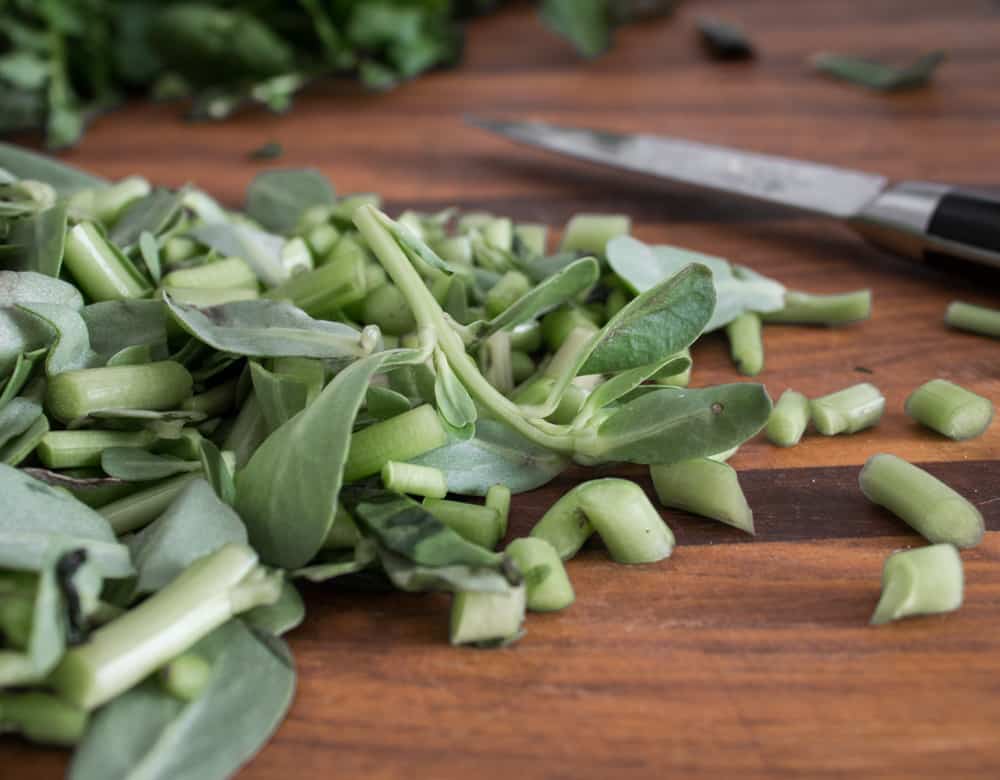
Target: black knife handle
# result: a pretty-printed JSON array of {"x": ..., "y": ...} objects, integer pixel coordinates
[{"x": 933, "y": 221}]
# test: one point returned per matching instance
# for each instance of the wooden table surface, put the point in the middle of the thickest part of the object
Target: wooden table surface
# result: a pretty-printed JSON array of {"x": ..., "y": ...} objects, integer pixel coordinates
[{"x": 736, "y": 657}]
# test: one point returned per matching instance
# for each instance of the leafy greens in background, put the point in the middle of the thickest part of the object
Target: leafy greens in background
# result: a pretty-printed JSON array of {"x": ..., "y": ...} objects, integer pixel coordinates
[{"x": 63, "y": 63}]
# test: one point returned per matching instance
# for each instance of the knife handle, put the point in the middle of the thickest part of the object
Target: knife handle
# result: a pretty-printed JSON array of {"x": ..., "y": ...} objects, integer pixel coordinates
[{"x": 923, "y": 220}]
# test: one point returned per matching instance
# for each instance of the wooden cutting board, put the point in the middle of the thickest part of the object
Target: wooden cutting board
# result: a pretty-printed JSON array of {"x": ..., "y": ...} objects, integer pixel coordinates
[{"x": 737, "y": 657}]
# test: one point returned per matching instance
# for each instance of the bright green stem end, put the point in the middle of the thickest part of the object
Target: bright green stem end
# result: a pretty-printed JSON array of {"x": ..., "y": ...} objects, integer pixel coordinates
[
  {"x": 545, "y": 578},
  {"x": 477, "y": 524},
  {"x": 185, "y": 677},
  {"x": 704, "y": 487},
  {"x": 399, "y": 438},
  {"x": 924, "y": 502},
  {"x": 414, "y": 480},
  {"x": 925, "y": 581},
  {"x": 621, "y": 514},
  {"x": 950, "y": 410},
  {"x": 848, "y": 411},
  {"x": 789, "y": 419},
  {"x": 805, "y": 309},
  {"x": 498, "y": 499},
  {"x": 746, "y": 343}
]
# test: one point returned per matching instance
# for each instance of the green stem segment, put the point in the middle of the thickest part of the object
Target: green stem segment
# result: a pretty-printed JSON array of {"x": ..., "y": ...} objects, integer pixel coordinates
[
  {"x": 849, "y": 410},
  {"x": 746, "y": 343},
  {"x": 185, "y": 677},
  {"x": 789, "y": 419},
  {"x": 950, "y": 410},
  {"x": 141, "y": 508},
  {"x": 591, "y": 233},
  {"x": 487, "y": 618},
  {"x": 41, "y": 717},
  {"x": 204, "y": 596},
  {"x": 414, "y": 480},
  {"x": 925, "y": 581},
  {"x": 477, "y": 524},
  {"x": 805, "y": 309},
  {"x": 82, "y": 449},
  {"x": 498, "y": 499},
  {"x": 322, "y": 292},
  {"x": 153, "y": 386},
  {"x": 704, "y": 487},
  {"x": 975, "y": 319},
  {"x": 548, "y": 585},
  {"x": 922, "y": 501},
  {"x": 621, "y": 514},
  {"x": 100, "y": 272},
  {"x": 400, "y": 438}
]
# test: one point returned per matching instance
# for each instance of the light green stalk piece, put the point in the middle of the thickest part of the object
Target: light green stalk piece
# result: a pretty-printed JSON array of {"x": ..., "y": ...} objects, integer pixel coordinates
[
  {"x": 41, "y": 717},
  {"x": 414, "y": 480},
  {"x": 789, "y": 419},
  {"x": 849, "y": 410},
  {"x": 621, "y": 514},
  {"x": 498, "y": 499},
  {"x": 925, "y": 581},
  {"x": 548, "y": 585},
  {"x": 590, "y": 233},
  {"x": 399, "y": 438},
  {"x": 204, "y": 596},
  {"x": 185, "y": 677},
  {"x": 805, "y": 309},
  {"x": 487, "y": 618},
  {"x": 975, "y": 319},
  {"x": 746, "y": 343},
  {"x": 704, "y": 487},
  {"x": 950, "y": 410},
  {"x": 477, "y": 524},
  {"x": 923, "y": 501}
]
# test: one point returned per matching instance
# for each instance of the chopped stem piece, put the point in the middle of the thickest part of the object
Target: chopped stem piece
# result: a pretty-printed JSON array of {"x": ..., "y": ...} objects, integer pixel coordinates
[
  {"x": 414, "y": 480},
  {"x": 321, "y": 292},
  {"x": 41, "y": 717},
  {"x": 154, "y": 386},
  {"x": 478, "y": 524},
  {"x": 548, "y": 586},
  {"x": 849, "y": 410},
  {"x": 343, "y": 533},
  {"x": 99, "y": 271},
  {"x": 704, "y": 487},
  {"x": 80, "y": 449},
  {"x": 498, "y": 499},
  {"x": 590, "y": 233},
  {"x": 949, "y": 409},
  {"x": 925, "y": 581},
  {"x": 204, "y": 596},
  {"x": 185, "y": 677},
  {"x": 400, "y": 438},
  {"x": 805, "y": 309},
  {"x": 506, "y": 292},
  {"x": 975, "y": 319},
  {"x": 233, "y": 272},
  {"x": 487, "y": 618},
  {"x": 921, "y": 500},
  {"x": 621, "y": 514},
  {"x": 789, "y": 419},
  {"x": 746, "y": 345}
]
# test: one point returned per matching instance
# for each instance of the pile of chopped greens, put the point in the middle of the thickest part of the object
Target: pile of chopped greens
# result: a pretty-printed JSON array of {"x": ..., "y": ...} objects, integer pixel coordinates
[
  {"x": 200, "y": 407},
  {"x": 63, "y": 62}
]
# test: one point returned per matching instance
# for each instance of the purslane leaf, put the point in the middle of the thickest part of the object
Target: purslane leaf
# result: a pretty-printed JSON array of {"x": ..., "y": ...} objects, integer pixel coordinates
[{"x": 278, "y": 199}]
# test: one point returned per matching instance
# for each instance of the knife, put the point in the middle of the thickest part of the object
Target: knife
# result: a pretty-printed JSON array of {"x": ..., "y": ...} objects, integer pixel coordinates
[{"x": 912, "y": 218}]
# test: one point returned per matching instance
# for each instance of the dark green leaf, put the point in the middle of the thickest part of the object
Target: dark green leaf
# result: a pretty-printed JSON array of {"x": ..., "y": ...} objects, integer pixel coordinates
[
  {"x": 404, "y": 527},
  {"x": 16, "y": 417},
  {"x": 453, "y": 401},
  {"x": 876, "y": 75},
  {"x": 71, "y": 348},
  {"x": 46, "y": 638},
  {"x": 267, "y": 328},
  {"x": 218, "y": 473},
  {"x": 22, "y": 446},
  {"x": 150, "y": 252},
  {"x": 19, "y": 375},
  {"x": 383, "y": 403},
  {"x": 281, "y": 396},
  {"x": 18, "y": 287},
  {"x": 196, "y": 523},
  {"x": 295, "y": 475},
  {"x": 116, "y": 325},
  {"x": 659, "y": 322},
  {"x": 409, "y": 576},
  {"x": 586, "y": 23},
  {"x": 39, "y": 521},
  {"x": 278, "y": 199},
  {"x": 339, "y": 563},
  {"x": 672, "y": 424},
  {"x": 248, "y": 693},
  {"x": 495, "y": 455}
]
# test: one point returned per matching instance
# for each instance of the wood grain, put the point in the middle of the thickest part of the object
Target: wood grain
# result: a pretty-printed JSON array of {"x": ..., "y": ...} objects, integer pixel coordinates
[{"x": 736, "y": 657}]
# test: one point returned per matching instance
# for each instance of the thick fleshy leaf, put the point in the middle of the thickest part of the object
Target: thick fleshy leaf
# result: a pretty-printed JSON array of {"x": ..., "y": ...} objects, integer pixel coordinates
[
  {"x": 208, "y": 737},
  {"x": 116, "y": 325},
  {"x": 287, "y": 493},
  {"x": 659, "y": 322},
  {"x": 70, "y": 349},
  {"x": 153, "y": 214},
  {"x": 136, "y": 465},
  {"x": 266, "y": 328},
  {"x": 586, "y": 23},
  {"x": 453, "y": 401},
  {"x": 47, "y": 638},
  {"x": 281, "y": 396},
  {"x": 497, "y": 454},
  {"x": 278, "y": 199},
  {"x": 737, "y": 290},
  {"x": 39, "y": 521},
  {"x": 196, "y": 523},
  {"x": 35, "y": 243},
  {"x": 672, "y": 424},
  {"x": 457, "y": 578},
  {"x": 280, "y": 617},
  {"x": 29, "y": 165},
  {"x": 16, "y": 417},
  {"x": 17, "y": 287}
]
